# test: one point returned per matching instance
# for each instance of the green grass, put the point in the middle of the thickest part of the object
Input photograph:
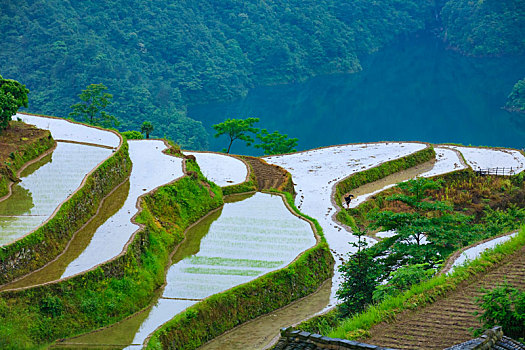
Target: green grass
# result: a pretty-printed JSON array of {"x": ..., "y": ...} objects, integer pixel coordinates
[
  {"x": 37, "y": 316},
  {"x": 425, "y": 293}
]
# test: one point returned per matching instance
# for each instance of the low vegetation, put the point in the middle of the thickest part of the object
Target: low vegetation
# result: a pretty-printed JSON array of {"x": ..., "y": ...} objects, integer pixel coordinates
[
  {"x": 431, "y": 220},
  {"x": 424, "y": 293},
  {"x": 19, "y": 144},
  {"x": 223, "y": 311},
  {"x": 33, "y": 317}
]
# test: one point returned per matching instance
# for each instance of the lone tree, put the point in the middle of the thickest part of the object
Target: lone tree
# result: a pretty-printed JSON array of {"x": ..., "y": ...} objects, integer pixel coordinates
[
  {"x": 360, "y": 274},
  {"x": 276, "y": 143},
  {"x": 146, "y": 128},
  {"x": 13, "y": 95},
  {"x": 91, "y": 109},
  {"x": 237, "y": 129}
]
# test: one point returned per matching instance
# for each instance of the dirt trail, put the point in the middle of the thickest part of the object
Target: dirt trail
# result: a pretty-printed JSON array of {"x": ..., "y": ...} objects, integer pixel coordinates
[
  {"x": 446, "y": 322},
  {"x": 268, "y": 176}
]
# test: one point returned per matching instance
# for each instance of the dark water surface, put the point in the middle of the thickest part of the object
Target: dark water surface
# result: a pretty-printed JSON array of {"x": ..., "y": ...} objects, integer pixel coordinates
[{"x": 413, "y": 90}]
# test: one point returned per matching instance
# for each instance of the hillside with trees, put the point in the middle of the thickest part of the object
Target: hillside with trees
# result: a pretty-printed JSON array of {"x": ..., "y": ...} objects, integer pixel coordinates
[
  {"x": 516, "y": 98},
  {"x": 156, "y": 58},
  {"x": 485, "y": 28}
]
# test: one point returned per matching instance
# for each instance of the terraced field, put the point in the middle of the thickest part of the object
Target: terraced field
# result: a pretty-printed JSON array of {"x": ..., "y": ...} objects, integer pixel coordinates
[
  {"x": 268, "y": 176},
  {"x": 446, "y": 322}
]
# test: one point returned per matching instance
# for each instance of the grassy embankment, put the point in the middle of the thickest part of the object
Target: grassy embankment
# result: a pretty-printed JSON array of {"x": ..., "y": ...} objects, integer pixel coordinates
[
  {"x": 465, "y": 191},
  {"x": 426, "y": 292},
  {"x": 106, "y": 294},
  {"x": 49, "y": 240},
  {"x": 376, "y": 173},
  {"x": 494, "y": 205},
  {"x": 19, "y": 144},
  {"x": 223, "y": 311}
]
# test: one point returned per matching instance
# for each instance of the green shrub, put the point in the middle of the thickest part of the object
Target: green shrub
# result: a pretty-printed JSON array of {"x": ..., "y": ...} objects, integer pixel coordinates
[
  {"x": 503, "y": 306},
  {"x": 132, "y": 135},
  {"x": 51, "y": 305},
  {"x": 402, "y": 279}
]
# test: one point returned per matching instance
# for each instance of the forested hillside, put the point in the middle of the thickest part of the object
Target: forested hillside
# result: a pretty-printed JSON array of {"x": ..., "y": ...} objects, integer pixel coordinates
[
  {"x": 157, "y": 57},
  {"x": 516, "y": 98},
  {"x": 485, "y": 27}
]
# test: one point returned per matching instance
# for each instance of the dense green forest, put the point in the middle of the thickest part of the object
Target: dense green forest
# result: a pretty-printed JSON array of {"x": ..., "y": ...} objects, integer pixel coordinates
[
  {"x": 158, "y": 57},
  {"x": 485, "y": 27},
  {"x": 516, "y": 98}
]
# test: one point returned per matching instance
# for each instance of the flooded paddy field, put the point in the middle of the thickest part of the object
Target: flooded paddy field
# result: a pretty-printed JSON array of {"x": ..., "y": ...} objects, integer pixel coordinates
[
  {"x": 151, "y": 169},
  {"x": 64, "y": 130},
  {"x": 44, "y": 186},
  {"x": 222, "y": 169},
  {"x": 249, "y": 237}
]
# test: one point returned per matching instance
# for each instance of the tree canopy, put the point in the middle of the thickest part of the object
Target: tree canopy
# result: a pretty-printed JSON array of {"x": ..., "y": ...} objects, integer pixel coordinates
[
  {"x": 484, "y": 28},
  {"x": 237, "y": 129},
  {"x": 94, "y": 100},
  {"x": 147, "y": 128},
  {"x": 13, "y": 95},
  {"x": 516, "y": 98},
  {"x": 156, "y": 62},
  {"x": 276, "y": 143}
]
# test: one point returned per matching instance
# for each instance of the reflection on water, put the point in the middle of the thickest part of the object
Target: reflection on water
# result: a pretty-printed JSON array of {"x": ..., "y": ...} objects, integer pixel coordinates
[
  {"x": 55, "y": 269},
  {"x": 249, "y": 237},
  {"x": 44, "y": 186},
  {"x": 151, "y": 168},
  {"x": 412, "y": 90},
  {"x": 20, "y": 201},
  {"x": 261, "y": 332}
]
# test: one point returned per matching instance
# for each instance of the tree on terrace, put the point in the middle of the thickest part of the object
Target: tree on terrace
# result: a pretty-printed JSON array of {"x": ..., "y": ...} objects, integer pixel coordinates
[
  {"x": 237, "y": 129},
  {"x": 13, "y": 95},
  {"x": 360, "y": 276},
  {"x": 276, "y": 143},
  {"x": 147, "y": 128},
  {"x": 94, "y": 100}
]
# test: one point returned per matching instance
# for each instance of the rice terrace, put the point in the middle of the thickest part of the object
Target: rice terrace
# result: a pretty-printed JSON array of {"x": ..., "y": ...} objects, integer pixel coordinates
[{"x": 256, "y": 175}]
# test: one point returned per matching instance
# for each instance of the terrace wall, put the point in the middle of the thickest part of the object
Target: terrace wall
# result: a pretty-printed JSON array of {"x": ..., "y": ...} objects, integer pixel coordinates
[{"x": 49, "y": 240}]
